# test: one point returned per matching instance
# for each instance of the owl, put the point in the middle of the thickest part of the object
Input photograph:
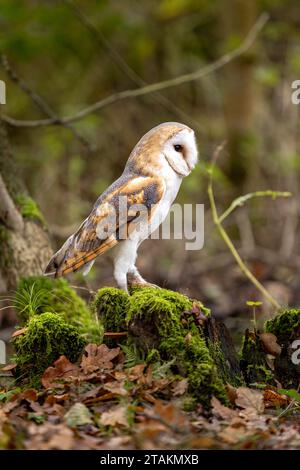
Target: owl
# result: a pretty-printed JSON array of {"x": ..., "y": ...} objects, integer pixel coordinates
[{"x": 133, "y": 206}]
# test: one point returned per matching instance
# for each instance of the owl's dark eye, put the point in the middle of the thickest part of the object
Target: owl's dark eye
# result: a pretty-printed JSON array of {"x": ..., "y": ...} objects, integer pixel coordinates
[{"x": 178, "y": 148}]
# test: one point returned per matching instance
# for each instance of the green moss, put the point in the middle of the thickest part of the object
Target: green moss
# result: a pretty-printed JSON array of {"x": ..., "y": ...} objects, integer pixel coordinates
[
  {"x": 156, "y": 305},
  {"x": 39, "y": 294},
  {"x": 261, "y": 373},
  {"x": 168, "y": 337},
  {"x": 48, "y": 337},
  {"x": 188, "y": 403},
  {"x": 111, "y": 305},
  {"x": 6, "y": 252},
  {"x": 147, "y": 299},
  {"x": 253, "y": 361},
  {"x": 164, "y": 331},
  {"x": 285, "y": 325},
  {"x": 29, "y": 208},
  {"x": 231, "y": 376}
]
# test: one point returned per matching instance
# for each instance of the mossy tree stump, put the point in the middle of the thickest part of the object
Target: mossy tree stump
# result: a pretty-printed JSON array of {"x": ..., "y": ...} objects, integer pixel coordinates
[
  {"x": 271, "y": 356},
  {"x": 165, "y": 326}
]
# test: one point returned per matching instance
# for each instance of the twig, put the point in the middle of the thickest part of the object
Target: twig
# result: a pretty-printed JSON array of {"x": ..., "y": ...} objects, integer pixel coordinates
[
  {"x": 155, "y": 87},
  {"x": 231, "y": 246},
  {"x": 116, "y": 334},
  {"x": 9, "y": 214},
  {"x": 240, "y": 201},
  {"x": 38, "y": 100}
]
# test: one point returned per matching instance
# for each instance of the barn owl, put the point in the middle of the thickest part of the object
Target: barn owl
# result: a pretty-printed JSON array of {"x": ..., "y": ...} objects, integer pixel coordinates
[{"x": 151, "y": 179}]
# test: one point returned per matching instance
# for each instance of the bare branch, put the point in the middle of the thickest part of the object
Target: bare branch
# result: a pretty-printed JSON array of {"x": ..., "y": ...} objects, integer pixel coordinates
[
  {"x": 155, "y": 87},
  {"x": 38, "y": 100},
  {"x": 9, "y": 214}
]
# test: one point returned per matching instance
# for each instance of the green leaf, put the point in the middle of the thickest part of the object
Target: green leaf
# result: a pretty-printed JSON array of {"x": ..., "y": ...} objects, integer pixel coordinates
[
  {"x": 290, "y": 393},
  {"x": 253, "y": 303}
]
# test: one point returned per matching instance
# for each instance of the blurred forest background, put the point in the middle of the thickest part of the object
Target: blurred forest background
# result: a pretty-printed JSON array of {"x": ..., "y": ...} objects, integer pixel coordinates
[{"x": 74, "y": 54}]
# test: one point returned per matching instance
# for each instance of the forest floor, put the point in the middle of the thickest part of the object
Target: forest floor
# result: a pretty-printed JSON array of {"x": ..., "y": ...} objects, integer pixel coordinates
[{"x": 99, "y": 403}]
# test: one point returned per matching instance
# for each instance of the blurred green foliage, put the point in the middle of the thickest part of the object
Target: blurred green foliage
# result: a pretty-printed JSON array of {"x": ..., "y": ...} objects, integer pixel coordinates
[{"x": 75, "y": 55}]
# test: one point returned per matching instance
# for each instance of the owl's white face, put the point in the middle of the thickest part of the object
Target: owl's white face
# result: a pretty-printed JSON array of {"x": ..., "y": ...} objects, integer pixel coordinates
[{"x": 180, "y": 151}]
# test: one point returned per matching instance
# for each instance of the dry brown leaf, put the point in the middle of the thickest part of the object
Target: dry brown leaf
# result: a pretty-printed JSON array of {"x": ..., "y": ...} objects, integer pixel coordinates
[
  {"x": 61, "y": 369},
  {"x": 98, "y": 357},
  {"x": 272, "y": 399},
  {"x": 170, "y": 415},
  {"x": 250, "y": 399},
  {"x": 234, "y": 434},
  {"x": 53, "y": 399},
  {"x": 115, "y": 416},
  {"x": 8, "y": 367},
  {"x": 231, "y": 393},
  {"x": 180, "y": 387},
  {"x": 22, "y": 331},
  {"x": 117, "y": 388},
  {"x": 270, "y": 345},
  {"x": 29, "y": 395},
  {"x": 225, "y": 413},
  {"x": 134, "y": 373},
  {"x": 49, "y": 437}
]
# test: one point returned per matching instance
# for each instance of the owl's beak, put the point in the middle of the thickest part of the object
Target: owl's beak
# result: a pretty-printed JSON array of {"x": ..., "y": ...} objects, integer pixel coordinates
[{"x": 190, "y": 167}]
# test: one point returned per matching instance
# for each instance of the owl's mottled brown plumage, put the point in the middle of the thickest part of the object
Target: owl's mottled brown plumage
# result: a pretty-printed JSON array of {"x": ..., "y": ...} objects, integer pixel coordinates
[{"x": 84, "y": 245}]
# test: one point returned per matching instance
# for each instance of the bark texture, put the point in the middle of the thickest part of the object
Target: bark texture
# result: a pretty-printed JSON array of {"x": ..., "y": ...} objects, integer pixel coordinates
[{"x": 24, "y": 242}]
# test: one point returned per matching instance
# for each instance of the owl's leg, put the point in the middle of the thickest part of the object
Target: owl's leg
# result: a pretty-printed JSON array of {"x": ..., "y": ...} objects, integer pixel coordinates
[
  {"x": 125, "y": 256},
  {"x": 135, "y": 279},
  {"x": 121, "y": 279}
]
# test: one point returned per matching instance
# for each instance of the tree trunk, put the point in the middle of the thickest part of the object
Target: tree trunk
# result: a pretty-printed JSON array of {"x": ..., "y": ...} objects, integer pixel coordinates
[
  {"x": 25, "y": 245},
  {"x": 239, "y": 92}
]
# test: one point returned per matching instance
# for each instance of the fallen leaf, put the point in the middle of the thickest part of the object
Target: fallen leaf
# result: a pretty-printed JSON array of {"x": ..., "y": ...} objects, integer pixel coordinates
[
  {"x": 250, "y": 399},
  {"x": 117, "y": 388},
  {"x": 231, "y": 393},
  {"x": 234, "y": 434},
  {"x": 61, "y": 369},
  {"x": 269, "y": 343},
  {"x": 134, "y": 373},
  {"x": 169, "y": 415},
  {"x": 53, "y": 399},
  {"x": 29, "y": 395},
  {"x": 115, "y": 416},
  {"x": 8, "y": 367},
  {"x": 272, "y": 399},
  {"x": 78, "y": 415},
  {"x": 49, "y": 437},
  {"x": 98, "y": 357},
  {"x": 22, "y": 331},
  {"x": 180, "y": 387},
  {"x": 225, "y": 413}
]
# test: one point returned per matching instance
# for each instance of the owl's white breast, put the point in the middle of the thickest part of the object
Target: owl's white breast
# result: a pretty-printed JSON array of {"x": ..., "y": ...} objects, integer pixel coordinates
[{"x": 160, "y": 212}]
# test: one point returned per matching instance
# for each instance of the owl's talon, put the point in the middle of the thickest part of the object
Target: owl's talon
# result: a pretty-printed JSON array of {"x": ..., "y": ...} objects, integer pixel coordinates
[{"x": 145, "y": 285}]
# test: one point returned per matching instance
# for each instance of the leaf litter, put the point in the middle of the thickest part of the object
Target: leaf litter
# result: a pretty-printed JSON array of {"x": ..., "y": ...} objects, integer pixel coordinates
[{"x": 99, "y": 403}]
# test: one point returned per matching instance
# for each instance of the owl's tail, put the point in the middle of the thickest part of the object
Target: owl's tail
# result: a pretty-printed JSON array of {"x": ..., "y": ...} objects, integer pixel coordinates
[
  {"x": 55, "y": 267},
  {"x": 66, "y": 260}
]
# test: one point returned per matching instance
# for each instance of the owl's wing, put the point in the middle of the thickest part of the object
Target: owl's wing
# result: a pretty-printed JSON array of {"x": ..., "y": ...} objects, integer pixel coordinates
[{"x": 114, "y": 215}]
